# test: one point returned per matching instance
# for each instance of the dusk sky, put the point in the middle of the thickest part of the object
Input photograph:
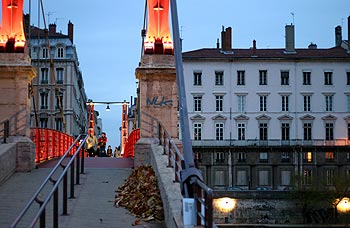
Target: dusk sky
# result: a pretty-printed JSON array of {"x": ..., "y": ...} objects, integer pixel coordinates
[{"x": 107, "y": 35}]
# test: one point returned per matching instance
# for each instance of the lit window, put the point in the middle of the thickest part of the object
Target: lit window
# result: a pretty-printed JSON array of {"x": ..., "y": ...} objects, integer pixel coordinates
[
  {"x": 197, "y": 130},
  {"x": 329, "y": 156},
  {"x": 308, "y": 156}
]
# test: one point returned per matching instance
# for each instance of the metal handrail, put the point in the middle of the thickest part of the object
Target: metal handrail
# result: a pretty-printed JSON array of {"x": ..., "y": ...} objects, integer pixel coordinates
[
  {"x": 63, "y": 176},
  {"x": 203, "y": 195},
  {"x": 9, "y": 127}
]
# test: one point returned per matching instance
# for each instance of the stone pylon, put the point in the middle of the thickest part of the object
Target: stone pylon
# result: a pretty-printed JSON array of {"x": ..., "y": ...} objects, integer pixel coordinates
[
  {"x": 16, "y": 73},
  {"x": 158, "y": 94}
]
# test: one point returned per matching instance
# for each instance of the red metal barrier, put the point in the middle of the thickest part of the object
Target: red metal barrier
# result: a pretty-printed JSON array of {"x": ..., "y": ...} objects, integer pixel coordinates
[
  {"x": 129, "y": 150},
  {"x": 50, "y": 143}
]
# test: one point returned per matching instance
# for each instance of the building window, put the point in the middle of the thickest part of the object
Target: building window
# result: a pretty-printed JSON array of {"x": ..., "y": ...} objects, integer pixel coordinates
[
  {"x": 285, "y": 103},
  {"x": 241, "y": 131},
  {"x": 241, "y": 103},
  {"x": 348, "y": 102},
  {"x": 307, "y": 131},
  {"x": 197, "y": 78},
  {"x": 329, "y": 103},
  {"x": 60, "y": 52},
  {"x": 44, "y": 76},
  {"x": 308, "y": 157},
  {"x": 240, "y": 77},
  {"x": 242, "y": 177},
  {"x": 285, "y": 131},
  {"x": 285, "y": 156},
  {"x": 59, "y": 100},
  {"x": 198, "y": 156},
  {"x": 219, "y": 102},
  {"x": 262, "y": 77},
  {"x": 44, "y": 52},
  {"x": 263, "y": 103},
  {"x": 197, "y": 100},
  {"x": 197, "y": 131},
  {"x": 306, "y": 78},
  {"x": 263, "y": 178},
  {"x": 348, "y": 156},
  {"x": 219, "y": 156},
  {"x": 59, "y": 75},
  {"x": 43, "y": 122},
  {"x": 219, "y": 178},
  {"x": 307, "y": 103},
  {"x": 58, "y": 124},
  {"x": 219, "y": 78},
  {"x": 263, "y": 157},
  {"x": 329, "y": 156},
  {"x": 329, "y": 176},
  {"x": 263, "y": 131},
  {"x": 348, "y": 131},
  {"x": 329, "y": 131},
  {"x": 285, "y": 177},
  {"x": 348, "y": 78},
  {"x": 284, "y": 77},
  {"x": 328, "y": 78},
  {"x": 219, "y": 131},
  {"x": 44, "y": 100},
  {"x": 242, "y": 156},
  {"x": 307, "y": 179}
]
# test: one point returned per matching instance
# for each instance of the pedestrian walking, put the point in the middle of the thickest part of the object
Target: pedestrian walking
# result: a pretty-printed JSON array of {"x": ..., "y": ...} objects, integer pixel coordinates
[{"x": 102, "y": 141}]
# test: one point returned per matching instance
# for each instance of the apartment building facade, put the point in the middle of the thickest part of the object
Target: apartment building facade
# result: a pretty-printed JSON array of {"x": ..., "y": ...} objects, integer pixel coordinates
[
  {"x": 259, "y": 117},
  {"x": 58, "y": 90}
]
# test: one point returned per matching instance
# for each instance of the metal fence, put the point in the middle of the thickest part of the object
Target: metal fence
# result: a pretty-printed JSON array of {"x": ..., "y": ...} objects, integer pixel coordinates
[
  {"x": 73, "y": 163},
  {"x": 203, "y": 195}
]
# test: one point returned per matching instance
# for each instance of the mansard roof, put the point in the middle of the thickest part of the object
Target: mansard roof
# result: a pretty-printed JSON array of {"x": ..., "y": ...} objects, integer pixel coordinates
[{"x": 278, "y": 53}]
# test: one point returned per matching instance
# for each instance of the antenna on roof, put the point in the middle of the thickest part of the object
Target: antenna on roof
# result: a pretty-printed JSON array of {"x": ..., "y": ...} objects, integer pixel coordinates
[{"x": 292, "y": 17}]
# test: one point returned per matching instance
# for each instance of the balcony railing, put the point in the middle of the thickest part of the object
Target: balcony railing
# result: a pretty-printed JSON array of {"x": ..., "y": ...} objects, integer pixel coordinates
[{"x": 270, "y": 142}]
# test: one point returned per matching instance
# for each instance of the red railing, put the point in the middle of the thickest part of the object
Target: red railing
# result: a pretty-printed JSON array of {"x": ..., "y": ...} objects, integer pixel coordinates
[
  {"x": 129, "y": 150},
  {"x": 50, "y": 143}
]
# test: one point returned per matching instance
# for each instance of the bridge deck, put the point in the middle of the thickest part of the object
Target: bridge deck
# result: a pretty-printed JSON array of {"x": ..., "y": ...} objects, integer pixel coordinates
[{"x": 93, "y": 205}]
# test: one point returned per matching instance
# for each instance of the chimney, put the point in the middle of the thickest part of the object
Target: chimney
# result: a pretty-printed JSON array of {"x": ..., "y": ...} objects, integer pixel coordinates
[
  {"x": 223, "y": 39},
  {"x": 338, "y": 36},
  {"x": 70, "y": 31},
  {"x": 290, "y": 46},
  {"x": 217, "y": 43},
  {"x": 254, "y": 47},
  {"x": 226, "y": 39},
  {"x": 312, "y": 46},
  {"x": 52, "y": 29}
]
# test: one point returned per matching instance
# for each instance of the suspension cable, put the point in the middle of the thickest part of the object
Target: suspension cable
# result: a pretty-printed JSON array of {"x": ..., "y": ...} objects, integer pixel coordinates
[{"x": 52, "y": 69}]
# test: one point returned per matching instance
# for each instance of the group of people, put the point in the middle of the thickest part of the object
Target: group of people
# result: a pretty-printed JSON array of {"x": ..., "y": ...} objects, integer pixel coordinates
[{"x": 97, "y": 147}]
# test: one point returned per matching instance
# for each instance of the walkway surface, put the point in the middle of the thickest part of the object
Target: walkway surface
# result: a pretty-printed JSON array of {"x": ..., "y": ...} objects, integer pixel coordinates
[{"x": 93, "y": 205}]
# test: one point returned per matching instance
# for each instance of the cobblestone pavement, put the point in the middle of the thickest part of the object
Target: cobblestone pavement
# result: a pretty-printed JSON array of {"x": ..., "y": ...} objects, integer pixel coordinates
[{"x": 93, "y": 205}]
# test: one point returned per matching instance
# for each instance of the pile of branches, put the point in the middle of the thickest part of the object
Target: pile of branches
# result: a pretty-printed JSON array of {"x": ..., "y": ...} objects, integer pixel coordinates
[{"x": 140, "y": 195}]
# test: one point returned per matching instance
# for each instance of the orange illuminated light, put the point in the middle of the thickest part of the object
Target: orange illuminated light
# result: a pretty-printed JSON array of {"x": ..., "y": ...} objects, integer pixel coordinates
[
  {"x": 12, "y": 38},
  {"x": 158, "y": 39}
]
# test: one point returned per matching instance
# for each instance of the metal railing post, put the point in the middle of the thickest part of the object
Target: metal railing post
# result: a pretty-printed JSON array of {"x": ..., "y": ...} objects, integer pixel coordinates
[
  {"x": 72, "y": 181},
  {"x": 55, "y": 209},
  {"x": 78, "y": 169},
  {"x": 82, "y": 161},
  {"x": 65, "y": 194}
]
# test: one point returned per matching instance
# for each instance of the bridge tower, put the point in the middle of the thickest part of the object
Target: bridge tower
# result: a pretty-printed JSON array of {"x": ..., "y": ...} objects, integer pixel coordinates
[
  {"x": 158, "y": 94},
  {"x": 16, "y": 74}
]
